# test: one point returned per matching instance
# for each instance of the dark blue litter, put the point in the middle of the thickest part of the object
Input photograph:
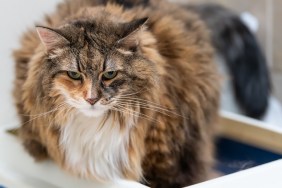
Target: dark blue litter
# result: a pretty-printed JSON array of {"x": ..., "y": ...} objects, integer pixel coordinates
[{"x": 233, "y": 156}]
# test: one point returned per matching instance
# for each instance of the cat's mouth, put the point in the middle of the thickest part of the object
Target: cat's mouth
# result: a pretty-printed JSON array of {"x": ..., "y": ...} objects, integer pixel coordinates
[{"x": 95, "y": 110}]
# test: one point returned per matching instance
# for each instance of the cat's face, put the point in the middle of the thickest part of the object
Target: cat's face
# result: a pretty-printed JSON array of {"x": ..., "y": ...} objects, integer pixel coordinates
[{"x": 96, "y": 71}]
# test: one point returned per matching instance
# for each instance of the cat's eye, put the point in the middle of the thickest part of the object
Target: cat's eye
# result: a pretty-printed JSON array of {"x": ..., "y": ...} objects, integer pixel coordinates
[
  {"x": 109, "y": 75},
  {"x": 74, "y": 75}
]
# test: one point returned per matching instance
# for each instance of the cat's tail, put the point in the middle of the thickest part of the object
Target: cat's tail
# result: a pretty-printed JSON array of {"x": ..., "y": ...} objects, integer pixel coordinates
[{"x": 240, "y": 50}]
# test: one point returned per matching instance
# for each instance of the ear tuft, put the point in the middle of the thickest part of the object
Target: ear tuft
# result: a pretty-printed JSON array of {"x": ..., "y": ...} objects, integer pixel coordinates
[
  {"x": 130, "y": 40},
  {"x": 50, "y": 38},
  {"x": 134, "y": 26}
]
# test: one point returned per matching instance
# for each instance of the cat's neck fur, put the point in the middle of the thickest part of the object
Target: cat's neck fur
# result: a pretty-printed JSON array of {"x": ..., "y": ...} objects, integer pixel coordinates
[{"x": 99, "y": 146}]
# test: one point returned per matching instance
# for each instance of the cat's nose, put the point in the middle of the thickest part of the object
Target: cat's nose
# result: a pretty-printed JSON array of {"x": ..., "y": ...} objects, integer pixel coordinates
[{"x": 92, "y": 101}]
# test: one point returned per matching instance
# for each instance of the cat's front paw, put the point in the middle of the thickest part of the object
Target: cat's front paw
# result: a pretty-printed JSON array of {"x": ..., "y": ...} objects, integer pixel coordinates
[{"x": 36, "y": 150}]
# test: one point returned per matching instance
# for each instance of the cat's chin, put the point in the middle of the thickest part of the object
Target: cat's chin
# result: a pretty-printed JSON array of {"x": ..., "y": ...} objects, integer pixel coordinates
[{"x": 92, "y": 112}]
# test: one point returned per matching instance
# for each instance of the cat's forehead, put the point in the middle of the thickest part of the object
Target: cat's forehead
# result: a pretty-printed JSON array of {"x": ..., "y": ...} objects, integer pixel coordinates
[
  {"x": 92, "y": 32},
  {"x": 89, "y": 60},
  {"x": 91, "y": 42}
]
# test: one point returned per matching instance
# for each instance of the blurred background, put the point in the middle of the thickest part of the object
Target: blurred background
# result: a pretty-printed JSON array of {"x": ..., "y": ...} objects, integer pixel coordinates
[
  {"x": 16, "y": 16},
  {"x": 268, "y": 14}
]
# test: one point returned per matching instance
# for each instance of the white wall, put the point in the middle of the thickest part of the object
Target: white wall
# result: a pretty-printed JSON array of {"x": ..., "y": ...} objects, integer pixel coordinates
[{"x": 15, "y": 17}]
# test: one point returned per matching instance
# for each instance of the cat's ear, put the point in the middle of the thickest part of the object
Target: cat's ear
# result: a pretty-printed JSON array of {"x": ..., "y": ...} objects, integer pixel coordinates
[
  {"x": 50, "y": 37},
  {"x": 130, "y": 40}
]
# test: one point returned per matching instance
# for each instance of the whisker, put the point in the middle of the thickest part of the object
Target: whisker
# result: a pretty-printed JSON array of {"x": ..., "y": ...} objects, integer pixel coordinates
[
  {"x": 144, "y": 103},
  {"x": 143, "y": 100},
  {"x": 156, "y": 109},
  {"x": 44, "y": 114},
  {"x": 130, "y": 94},
  {"x": 132, "y": 112},
  {"x": 149, "y": 106},
  {"x": 120, "y": 109}
]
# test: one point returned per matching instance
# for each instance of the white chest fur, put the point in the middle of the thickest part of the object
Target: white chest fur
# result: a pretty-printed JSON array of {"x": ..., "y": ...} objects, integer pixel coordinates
[{"x": 95, "y": 151}]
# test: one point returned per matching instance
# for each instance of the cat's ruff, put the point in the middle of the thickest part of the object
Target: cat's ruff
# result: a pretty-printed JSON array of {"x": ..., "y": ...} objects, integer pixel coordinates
[{"x": 96, "y": 146}]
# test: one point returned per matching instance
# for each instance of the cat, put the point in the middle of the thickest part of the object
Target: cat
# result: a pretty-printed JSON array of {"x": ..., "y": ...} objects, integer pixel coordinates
[{"x": 115, "y": 90}]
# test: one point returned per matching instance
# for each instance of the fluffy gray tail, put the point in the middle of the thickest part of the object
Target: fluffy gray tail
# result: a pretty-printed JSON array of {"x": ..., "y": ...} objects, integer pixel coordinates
[
  {"x": 240, "y": 50},
  {"x": 246, "y": 63}
]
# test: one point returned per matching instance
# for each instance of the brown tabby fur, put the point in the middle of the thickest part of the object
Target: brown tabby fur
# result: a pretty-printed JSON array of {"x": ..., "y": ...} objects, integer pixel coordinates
[{"x": 175, "y": 70}]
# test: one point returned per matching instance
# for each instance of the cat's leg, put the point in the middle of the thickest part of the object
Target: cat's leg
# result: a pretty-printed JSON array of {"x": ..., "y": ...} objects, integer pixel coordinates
[
  {"x": 35, "y": 149},
  {"x": 175, "y": 158},
  {"x": 32, "y": 144},
  {"x": 187, "y": 170}
]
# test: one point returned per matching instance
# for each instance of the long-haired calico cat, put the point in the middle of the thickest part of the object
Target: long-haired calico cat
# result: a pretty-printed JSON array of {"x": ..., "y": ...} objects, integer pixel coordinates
[{"x": 120, "y": 90}]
